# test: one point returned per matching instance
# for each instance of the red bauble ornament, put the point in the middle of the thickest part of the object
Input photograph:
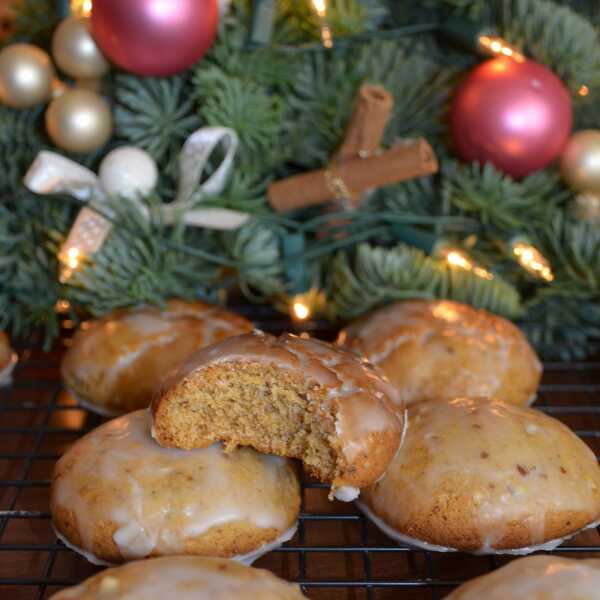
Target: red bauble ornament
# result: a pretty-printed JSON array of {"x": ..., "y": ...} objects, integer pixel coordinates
[
  {"x": 516, "y": 115},
  {"x": 154, "y": 37}
]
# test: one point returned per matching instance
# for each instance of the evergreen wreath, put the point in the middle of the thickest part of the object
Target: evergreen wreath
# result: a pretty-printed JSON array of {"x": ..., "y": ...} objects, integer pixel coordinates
[{"x": 289, "y": 103}]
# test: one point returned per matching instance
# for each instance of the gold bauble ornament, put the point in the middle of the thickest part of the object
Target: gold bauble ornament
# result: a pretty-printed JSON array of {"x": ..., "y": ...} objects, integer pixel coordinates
[
  {"x": 79, "y": 121},
  {"x": 26, "y": 75},
  {"x": 75, "y": 50},
  {"x": 586, "y": 207},
  {"x": 580, "y": 161}
]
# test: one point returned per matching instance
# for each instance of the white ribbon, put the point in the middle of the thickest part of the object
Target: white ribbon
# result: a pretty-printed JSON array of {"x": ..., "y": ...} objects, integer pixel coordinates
[{"x": 52, "y": 173}]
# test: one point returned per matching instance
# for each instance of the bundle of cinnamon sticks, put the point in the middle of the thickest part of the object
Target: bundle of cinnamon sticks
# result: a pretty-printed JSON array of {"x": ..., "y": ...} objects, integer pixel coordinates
[{"x": 360, "y": 164}]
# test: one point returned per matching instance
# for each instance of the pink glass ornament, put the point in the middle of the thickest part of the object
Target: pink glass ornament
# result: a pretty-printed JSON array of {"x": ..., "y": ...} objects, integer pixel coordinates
[
  {"x": 516, "y": 115},
  {"x": 154, "y": 37}
]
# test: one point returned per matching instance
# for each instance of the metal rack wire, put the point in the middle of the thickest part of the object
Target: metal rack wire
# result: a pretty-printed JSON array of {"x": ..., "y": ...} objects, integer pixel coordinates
[{"x": 336, "y": 554}]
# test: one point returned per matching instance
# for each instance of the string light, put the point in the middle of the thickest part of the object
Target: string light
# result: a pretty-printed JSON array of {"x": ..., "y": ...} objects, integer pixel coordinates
[
  {"x": 62, "y": 306},
  {"x": 532, "y": 260},
  {"x": 300, "y": 310},
  {"x": 81, "y": 8},
  {"x": 459, "y": 259},
  {"x": 71, "y": 259},
  {"x": 493, "y": 45},
  {"x": 584, "y": 90},
  {"x": 304, "y": 306},
  {"x": 320, "y": 7}
]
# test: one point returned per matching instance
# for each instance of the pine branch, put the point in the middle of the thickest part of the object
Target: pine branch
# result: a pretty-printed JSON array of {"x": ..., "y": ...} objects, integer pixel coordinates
[
  {"x": 475, "y": 9},
  {"x": 563, "y": 328},
  {"x": 326, "y": 87},
  {"x": 375, "y": 276},
  {"x": 500, "y": 203},
  {"x": 19, "y": 144},
  {"x": 156, "y": 115},
  {"x": 30, "y": 228},
  {"x": 556, "y": 36},
  {"x": 298, "y": 21},
  {"x": 414, "y": 197},
  {"x": 256, "y": 249},
  {"x": 241, "y": 88},
  {"x": 143, "y": 261},
  {"x": 573, "y": 249},
  {"x": 251, "y": 111}
]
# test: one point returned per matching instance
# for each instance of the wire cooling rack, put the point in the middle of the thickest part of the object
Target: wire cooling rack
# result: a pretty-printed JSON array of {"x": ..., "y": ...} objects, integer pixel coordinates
[{"x": 336, "y": 555}]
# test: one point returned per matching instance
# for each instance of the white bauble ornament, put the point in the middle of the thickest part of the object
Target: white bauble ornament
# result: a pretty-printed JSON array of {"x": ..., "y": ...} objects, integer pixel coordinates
[{"x": 129, "y": 172}]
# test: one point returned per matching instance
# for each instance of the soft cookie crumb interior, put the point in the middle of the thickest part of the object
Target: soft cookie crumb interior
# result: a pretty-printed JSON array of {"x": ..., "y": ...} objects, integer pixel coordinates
[{"x": 252, "y": 404}]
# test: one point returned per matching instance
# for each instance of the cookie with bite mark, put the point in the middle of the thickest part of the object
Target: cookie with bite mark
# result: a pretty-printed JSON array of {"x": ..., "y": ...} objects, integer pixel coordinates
[{"x": 289, "y": 396}]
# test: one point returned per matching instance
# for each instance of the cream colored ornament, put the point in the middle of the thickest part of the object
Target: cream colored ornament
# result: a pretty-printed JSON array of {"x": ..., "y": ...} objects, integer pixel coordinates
[
  {"x": 580, "y": 161},
  {"x": 586, "y": 207},
  {"x": 129, "y": 172},
  {"x": 26, "y": 75},
  {"x": 79, "y": 121},
  {"x": 75, "y": 50}
]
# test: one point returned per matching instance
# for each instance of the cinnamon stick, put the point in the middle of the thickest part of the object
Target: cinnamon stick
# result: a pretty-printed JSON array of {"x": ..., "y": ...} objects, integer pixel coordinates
[
  {"x": 365, "y": 130},
  {"x": 349, "y": 179}
]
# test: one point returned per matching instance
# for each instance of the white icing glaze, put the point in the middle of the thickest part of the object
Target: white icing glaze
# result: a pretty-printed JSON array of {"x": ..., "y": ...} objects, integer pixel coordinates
[
  {"x": 184, "y": 578},
  {"x": 103, "y": 411},
  {"x": 486, "y": 465},
  {"x": 245, "y": 559},
  {"x": 91, "y": 558},
  {"x": 421, "y": 544},
  {"x": 6, "y": 372},
  {"x": 248, "y": 559},
  {"x": 442, "y": 349},
  {"x": 359, "y": 395},
  {"x": 346, "y": 493},
  {"x": 160, "y": 498},
  {"x": 396, "y": 535},
  {"x": 536, "y": 578}
]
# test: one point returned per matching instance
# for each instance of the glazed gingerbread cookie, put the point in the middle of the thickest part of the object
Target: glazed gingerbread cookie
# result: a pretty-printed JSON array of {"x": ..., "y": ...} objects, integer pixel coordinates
[
  {"x": 115, "y": 364},
  {"x": 183, "y": 578},
  {"x": 436, "y": 350},
  {"x": 8, "y": 360},
  {"x": 116, "y": 496},
  {"x": 536, "y": 578},
  {"x": 290, "y": 396},
  {"x": 482, "y": 476}
]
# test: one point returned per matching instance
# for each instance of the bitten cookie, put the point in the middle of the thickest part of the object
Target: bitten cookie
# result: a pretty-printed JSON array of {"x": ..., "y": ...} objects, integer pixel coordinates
[
  {"x": 439, "y": 350},
  {"x": 483, "y": 476},
  {"x": 116, "y": 363},
  {"x": 8, "y": 360},
  {"x": 116, "y": 495},
  {"x": 536, "y": 578},
  {"x": 183, "y": 578},
  {"x": 289, "y": 396}
]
